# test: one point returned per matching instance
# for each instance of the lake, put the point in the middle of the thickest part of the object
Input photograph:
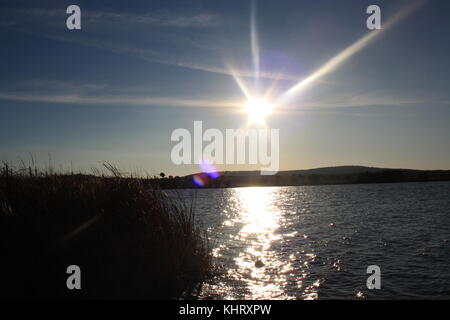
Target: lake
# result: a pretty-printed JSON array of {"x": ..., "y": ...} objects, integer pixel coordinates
[{"x": 316, "y": 242}]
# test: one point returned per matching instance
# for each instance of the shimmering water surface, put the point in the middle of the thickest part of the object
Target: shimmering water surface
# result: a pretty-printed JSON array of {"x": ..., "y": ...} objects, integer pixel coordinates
[{"x": 316, "y": 242}]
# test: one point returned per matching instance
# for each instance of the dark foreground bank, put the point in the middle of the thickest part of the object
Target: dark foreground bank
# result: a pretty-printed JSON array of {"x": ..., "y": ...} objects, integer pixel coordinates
[{"x": 129, "y": 241}]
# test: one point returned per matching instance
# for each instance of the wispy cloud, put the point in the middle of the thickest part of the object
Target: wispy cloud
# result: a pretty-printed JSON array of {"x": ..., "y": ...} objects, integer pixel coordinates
[
  {"x": 157, "y": 57},
  {"x": 53, "y": 85},
  {"x": 198, "y": 19},
  {"x": 23, "y": 20},
  {"x": 358, "y": 100},
  {"x": 148, "y": 101},
  {"x": 160, "y": 19},
  {"x": 65, "y": 92}
]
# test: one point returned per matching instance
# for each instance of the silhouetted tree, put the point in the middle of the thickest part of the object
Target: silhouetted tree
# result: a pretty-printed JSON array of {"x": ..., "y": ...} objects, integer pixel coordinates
[{"x": 162, "y": 174}]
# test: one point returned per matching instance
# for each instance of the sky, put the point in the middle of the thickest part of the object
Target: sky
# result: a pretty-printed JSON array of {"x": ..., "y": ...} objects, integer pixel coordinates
[{"x": 136, "y": 71}]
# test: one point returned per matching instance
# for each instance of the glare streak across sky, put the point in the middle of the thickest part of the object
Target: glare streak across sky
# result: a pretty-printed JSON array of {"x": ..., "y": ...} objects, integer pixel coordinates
[
  {"x": 254, "y": 43},
  {"x": 344, "y": 55}
]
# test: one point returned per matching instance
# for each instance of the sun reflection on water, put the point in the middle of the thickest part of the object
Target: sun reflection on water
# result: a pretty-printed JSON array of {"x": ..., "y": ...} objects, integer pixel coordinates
[
  {"x": 255, "y": 246},
  {"x": 257, "y": 264}
]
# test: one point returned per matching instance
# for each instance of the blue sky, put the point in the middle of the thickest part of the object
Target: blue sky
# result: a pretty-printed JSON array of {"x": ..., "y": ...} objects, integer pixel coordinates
[{"x": 115, "y": 90}]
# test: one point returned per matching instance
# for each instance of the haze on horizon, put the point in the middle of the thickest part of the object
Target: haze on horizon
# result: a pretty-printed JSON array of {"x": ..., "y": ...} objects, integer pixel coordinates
[{"x": 115, "y": 90}]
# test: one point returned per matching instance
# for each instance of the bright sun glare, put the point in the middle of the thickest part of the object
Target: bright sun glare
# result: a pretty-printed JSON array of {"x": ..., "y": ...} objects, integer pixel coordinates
[{"x": 258, "y": 110}]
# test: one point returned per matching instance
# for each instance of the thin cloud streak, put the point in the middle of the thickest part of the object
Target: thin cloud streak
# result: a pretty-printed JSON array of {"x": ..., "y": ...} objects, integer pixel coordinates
[
  {"x": 356, "y": 103},
  {"x": 154, "y": 57},
  {"x": 151, "y": 101},
  {"x": 158, "y": 18},
  {"x": 120, "y": 100}
]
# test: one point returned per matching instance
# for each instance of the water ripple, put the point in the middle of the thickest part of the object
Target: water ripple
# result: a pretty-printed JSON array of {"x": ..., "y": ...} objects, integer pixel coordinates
[{"x": 316, "y": 242}]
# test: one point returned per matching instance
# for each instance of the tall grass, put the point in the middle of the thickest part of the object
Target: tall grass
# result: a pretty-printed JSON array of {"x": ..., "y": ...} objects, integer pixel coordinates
[{"x": 129, "y": 240}]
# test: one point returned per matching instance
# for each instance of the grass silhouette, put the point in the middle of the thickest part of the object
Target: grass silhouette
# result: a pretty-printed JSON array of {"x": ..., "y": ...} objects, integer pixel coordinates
[{"x": 131, "y": 241}]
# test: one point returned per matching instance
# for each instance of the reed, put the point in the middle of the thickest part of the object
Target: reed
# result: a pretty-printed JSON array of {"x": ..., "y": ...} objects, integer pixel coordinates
[{"x": 130, "y": 240}]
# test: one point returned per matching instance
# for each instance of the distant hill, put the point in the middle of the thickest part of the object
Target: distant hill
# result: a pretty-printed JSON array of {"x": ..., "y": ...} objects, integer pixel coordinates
[
  {"x": 335, "y": 170},
  {"x": 316, "y": 176},
  {"x": 324, "y": 170}
]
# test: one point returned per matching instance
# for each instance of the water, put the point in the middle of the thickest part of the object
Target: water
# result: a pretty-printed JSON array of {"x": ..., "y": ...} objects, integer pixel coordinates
[{"x": 316, "y": 242}]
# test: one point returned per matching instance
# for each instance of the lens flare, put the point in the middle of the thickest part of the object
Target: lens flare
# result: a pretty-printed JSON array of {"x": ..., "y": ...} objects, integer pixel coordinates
[
  {"x": 208, "y": 172},
  {"x": 209, "y": 169},
  {"x": 200, "y": 179}
]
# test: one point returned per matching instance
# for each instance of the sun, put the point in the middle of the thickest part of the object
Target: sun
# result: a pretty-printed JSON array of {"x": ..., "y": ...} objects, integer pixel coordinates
[{"x": 257, "y": 110}]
